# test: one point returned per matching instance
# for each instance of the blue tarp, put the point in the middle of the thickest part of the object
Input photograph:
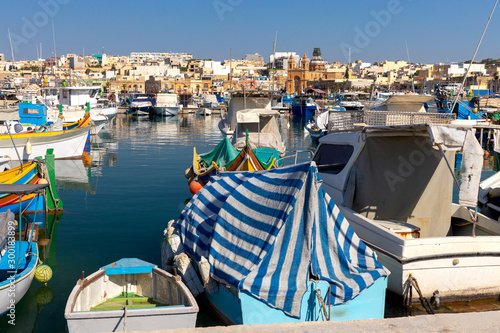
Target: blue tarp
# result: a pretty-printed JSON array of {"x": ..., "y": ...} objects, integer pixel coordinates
[{"x": 265, "y": 232}]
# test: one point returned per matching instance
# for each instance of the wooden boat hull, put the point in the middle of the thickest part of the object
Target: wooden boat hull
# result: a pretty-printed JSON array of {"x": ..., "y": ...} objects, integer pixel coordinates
[
  {"x": 158, "y": 284},
  {"x": 66, "y": 144},
  {"x": 22, "y": 281},
  {"x": 241, "y": 308}
]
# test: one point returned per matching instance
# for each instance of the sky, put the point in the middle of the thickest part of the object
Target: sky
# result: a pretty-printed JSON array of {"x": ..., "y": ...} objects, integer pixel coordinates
[{"x": 434, "y": 31}]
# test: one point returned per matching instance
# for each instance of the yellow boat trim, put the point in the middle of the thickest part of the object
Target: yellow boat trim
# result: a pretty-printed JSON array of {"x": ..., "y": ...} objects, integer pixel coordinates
[
  {"x": 33, "y": 135},
  {"x": 14, "y": 174}
]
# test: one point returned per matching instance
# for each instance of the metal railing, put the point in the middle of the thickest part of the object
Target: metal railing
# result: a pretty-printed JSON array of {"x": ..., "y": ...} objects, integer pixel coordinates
[{"x": 353, "y": 120}]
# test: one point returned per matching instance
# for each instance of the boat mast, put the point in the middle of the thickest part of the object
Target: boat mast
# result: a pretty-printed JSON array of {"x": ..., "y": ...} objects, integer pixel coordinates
[
  {"x": 473, "y": 57},
  {"x": 409, "y": 64},
  {"x": 11, "y": 49}
]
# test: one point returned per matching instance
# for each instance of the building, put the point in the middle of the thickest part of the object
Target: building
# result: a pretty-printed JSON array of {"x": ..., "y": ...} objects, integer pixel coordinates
[
  {"x": 2, "y": 57},
  {"x": 76, "y": 63},
  {"x": 280, "y": 59},
  {"x": 311, "y": 74}
]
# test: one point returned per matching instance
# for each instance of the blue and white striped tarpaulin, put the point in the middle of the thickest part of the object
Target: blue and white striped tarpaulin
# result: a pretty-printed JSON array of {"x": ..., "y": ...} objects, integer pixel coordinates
[{"x": 263, "y": 232}]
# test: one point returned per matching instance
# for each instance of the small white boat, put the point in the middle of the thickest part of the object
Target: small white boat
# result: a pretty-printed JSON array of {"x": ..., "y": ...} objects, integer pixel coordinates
[
  {"x": 204, "y": 112},
  {"x": 130, "y": 295}
]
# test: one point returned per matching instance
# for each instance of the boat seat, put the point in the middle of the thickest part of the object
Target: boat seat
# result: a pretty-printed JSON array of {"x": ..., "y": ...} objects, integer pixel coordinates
[{"x": 403, "y": 229}]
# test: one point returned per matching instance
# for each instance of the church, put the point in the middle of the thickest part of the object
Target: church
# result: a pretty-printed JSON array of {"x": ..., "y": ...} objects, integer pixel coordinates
[{"x": 311, "y": 74}]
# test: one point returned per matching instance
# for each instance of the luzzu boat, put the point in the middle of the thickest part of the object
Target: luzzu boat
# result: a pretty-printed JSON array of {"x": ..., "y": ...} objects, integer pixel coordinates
[
  {"x": 278, "y": 250},
  {"x": 31, "y": 173},
  {"x": 130, "y": 295},
  {"x": 224, "y": 157}
]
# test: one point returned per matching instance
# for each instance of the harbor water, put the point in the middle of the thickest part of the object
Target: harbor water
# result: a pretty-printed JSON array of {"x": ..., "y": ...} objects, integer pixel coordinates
[{"x": 117, "y": 202}]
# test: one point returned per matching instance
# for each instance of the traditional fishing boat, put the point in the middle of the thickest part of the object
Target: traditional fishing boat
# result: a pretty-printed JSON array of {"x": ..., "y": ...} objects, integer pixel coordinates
[
  {"x": 35, "y": 172},
  {"x": 224, "y": 157},
  {"x": 304, "y": 106},
  {"x": 394, "y": 183},
  {"x": 130, "y": 295},
  {"x": 18, "y": 259},
  {"x": 278, "y": 250}
]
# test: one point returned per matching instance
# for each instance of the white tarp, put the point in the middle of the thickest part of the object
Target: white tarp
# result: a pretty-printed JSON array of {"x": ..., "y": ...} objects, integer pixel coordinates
[
  {"x": 451, "y": 138},
  {"x": 253, "y": 115},
  {"x": 472, "y": 164}
]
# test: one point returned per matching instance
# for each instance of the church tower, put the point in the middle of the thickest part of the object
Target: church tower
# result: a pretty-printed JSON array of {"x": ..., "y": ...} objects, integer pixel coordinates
[
  {"x": 305, "y": 62},
  {"x": 291, "y": 62}
]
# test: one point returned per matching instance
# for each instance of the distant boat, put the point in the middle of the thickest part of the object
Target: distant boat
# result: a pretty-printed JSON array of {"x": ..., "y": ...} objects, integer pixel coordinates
[
  {"x": 349, "y": 101},
  {"x": 167, "y": 105},
  {"x": 130, "y": 295},
  {"x": 141, "y": 105},
  {"x": 466, "y": 107},
  {"x": 242, "y": 100},
  {"x": 304, "y": 106},
  {"x": 279, "y": 250}
]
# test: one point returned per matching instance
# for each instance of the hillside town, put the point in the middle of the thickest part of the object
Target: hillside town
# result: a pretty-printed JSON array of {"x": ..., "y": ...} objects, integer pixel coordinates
[{"x": 289, "y": 72}]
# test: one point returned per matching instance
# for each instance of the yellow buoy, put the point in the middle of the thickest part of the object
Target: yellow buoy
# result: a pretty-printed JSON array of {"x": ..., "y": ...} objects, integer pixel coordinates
[
  {"x": 43, "y": 273},
  {"x": 43, "y": 181}
]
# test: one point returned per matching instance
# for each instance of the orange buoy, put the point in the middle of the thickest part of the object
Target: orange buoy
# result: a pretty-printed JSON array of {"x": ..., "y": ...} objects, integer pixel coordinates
[
  {"x": 195, "y": 186},
  {"x": 486, "y": 153}
]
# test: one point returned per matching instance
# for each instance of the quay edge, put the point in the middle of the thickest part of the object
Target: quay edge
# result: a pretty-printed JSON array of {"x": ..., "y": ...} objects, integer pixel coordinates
[{"x": 488, "y": 321}]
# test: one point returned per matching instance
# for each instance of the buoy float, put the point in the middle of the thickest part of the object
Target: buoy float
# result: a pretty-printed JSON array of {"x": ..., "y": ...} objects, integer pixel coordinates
[
  {"x": 486, "y": 153},
  {"x": 28, "y": 147},
  {"x": 250, "y": 84},
  {"x": 43, "y": 181},
  {"x": 189, "y": 172},
  {"x": 43, "y": 273},
  {"x": 195, "y": 186}
]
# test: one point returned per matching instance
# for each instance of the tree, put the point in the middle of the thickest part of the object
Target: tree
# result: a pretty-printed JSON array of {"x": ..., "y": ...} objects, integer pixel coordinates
[{"x": 347, "y": 73}]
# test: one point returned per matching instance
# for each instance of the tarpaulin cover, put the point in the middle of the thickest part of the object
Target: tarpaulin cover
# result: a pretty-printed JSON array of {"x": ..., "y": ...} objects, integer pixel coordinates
[
  {"x": 265, "y": 232},
  {"x": 222, "y": 154}
]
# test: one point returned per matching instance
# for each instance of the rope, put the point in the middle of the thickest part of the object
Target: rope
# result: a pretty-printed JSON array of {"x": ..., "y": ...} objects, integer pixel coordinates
[{"x": 411, "y": 283}]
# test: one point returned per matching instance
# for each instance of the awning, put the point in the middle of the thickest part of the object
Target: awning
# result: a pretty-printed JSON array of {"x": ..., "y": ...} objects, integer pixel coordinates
[{"x": 319, "y": 91}]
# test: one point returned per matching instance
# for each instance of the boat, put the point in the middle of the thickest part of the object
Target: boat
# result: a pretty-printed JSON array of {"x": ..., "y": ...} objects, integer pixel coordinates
[
  {"x": 272, "y": 247},
  {"x": 167, "y": 105},
  {"x": 349, "y": 101},
  {"x": 203, "y": 112},
  {"x": 130, "y": 295},
  {"x": 72, "y": 103},
  {"x": 319, "y": 127},
  {"x": 38, "y": 171},
  {"x": 314, "y": 131},
  {"x": 390, "y": 173},
  {"x": 224, "y": 157},
  {"x": 240, "y": 100},
  {"x": 405, "y": 103},
  {"x": 465, "y": 107},
  {"x": 18, "y": 259},
  {"x": 260, "y": 128},
  {"x": 141, "y": 105},
  {"x": 304, "y": 106}
]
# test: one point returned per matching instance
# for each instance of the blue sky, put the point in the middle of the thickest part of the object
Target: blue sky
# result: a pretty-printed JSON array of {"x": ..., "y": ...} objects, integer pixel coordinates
[{"x": 435, "y": 31}]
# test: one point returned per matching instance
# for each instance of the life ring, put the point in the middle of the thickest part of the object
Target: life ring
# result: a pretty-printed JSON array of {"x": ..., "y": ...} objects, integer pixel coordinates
[
  {"x": 112, "y": 97},
  {"x": 252, "y": 83}
]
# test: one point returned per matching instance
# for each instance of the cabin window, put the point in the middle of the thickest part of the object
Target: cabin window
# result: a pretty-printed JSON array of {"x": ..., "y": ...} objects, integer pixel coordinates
[
  {"x": 332, "y": 159},
  {"x": 30, "y": 111},
  {"x": 93, "y": 93}
]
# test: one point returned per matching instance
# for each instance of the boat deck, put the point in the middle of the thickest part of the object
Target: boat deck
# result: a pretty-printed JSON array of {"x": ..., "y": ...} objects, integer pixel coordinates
[{"x": 129, "y": 300}]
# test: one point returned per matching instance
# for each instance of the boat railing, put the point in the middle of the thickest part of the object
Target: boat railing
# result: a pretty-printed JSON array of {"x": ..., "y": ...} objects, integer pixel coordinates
[
  {"x": 353, "y": 120},
  {"x": 294, "y": 157}
]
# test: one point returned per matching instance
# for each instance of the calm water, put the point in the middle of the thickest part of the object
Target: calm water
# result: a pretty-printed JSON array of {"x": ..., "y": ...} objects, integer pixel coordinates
[{"x": 120, "y": 206}]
